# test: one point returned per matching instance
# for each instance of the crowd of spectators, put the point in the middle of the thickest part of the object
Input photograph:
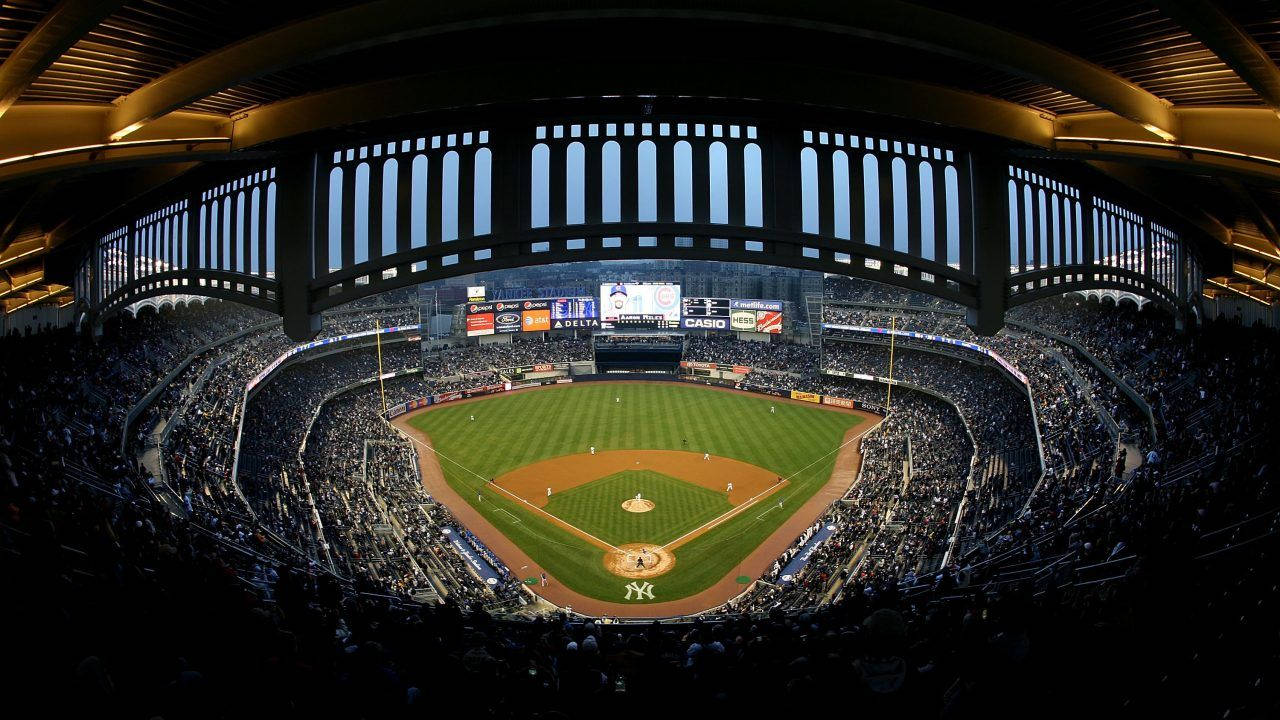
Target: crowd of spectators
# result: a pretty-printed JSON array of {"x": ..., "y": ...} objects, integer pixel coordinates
[
  {"x": 144, "y": 593},
  {"x": 788, "y": 357}
]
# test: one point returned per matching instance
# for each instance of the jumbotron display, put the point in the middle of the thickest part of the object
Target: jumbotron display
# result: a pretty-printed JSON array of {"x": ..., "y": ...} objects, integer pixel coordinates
[{"x": 640, "y": 305}]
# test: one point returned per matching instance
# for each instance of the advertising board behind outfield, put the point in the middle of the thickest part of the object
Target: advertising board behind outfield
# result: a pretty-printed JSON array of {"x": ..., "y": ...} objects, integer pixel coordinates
[
  {"x": 731, "y": 314},
  {"x": 502, "y": 317}
]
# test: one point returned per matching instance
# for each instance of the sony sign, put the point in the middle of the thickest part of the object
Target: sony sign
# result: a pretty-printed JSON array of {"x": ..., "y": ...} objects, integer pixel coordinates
[{"x": 704, "y": 323}]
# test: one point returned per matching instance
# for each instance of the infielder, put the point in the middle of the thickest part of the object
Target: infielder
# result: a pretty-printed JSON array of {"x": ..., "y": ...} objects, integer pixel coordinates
[
  {"x": 593, "y": 449},
  {"x": 729, "y": 489},
  {"x": 706, "y": 456}
]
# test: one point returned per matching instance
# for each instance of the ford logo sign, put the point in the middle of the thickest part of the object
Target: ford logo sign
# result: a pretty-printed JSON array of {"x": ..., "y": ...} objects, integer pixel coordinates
[{"x": 509, "y": 319}]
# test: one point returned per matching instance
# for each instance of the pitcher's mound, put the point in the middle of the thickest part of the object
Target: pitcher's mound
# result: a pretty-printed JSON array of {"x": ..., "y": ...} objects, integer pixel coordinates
[
  {"x": 634, "y": 505},
  {"x": 638, "y": 560}
]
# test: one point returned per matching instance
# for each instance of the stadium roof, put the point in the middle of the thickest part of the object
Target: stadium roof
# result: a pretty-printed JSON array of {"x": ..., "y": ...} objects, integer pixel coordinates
[{"x": 102, "y": 101}]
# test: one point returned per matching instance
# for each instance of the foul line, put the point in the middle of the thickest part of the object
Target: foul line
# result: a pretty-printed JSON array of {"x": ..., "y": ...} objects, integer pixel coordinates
[
  {"x": 766, "y": 512},
  {"x": 751, "y": 501},
  {"x": 495, "y": 486}
]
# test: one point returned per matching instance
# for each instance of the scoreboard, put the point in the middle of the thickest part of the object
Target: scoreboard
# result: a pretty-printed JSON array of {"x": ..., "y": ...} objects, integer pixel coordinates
[
  {"x": 762, "y": 316},
  {"x": 705, "y": 307}
]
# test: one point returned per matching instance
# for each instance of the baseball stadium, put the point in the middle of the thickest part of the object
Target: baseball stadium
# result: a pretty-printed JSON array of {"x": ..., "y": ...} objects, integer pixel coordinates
[{"x": 389, "y": 359}]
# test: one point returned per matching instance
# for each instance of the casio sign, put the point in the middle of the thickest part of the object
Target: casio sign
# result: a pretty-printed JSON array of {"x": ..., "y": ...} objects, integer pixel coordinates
[{"x": 697, "y": 323}]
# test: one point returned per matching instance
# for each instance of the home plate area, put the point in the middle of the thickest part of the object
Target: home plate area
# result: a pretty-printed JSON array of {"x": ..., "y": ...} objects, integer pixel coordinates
[
  {"x": 640, "y": 506},
  {"x": 639, "y": 560}
]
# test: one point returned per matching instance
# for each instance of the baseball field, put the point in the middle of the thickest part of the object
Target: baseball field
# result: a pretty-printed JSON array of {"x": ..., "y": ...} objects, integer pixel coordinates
[{"x": 684, "y": 481}]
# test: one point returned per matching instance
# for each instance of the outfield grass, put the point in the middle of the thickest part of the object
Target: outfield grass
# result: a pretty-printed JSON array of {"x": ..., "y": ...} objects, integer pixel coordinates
[
  {"x": 509, "y": 431},
  {"x": 678, "y": 507}
]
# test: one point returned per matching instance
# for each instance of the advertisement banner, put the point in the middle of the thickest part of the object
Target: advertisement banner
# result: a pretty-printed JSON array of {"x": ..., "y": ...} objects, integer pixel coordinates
[
  {"x": 741, "y": 369},
  {"x": 769, "y": 305},
  {"x": 562, "y": 380},
  {"x": 744, "y": 320},
  {"x": 575, "y": 323},
  {"x": 506, "y": 322},
  {"x": 806, "y": 396},
  {"x": 475, "y": 293},
  {"x": 536, "y": 320},
  {"x": 536, "y": 305},
  {"x": 838, "y": 402},
  {"x": 1009, "y": 367},
  {"x": 704, "y": 323},
  {"x": 543, "y": 367},
  {"x": 699, "y": 365},
  {"x": 769, "y": 322},
  {"x": 446, "y": 397},
  {"x": 480, "y": 307},
  {"x": 483, "y": 390},
  {"x": 480, "y": 324}
]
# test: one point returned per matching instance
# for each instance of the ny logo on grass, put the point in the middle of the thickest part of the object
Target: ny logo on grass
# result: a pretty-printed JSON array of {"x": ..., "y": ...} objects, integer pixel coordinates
[{"x": 640, "y": 590}]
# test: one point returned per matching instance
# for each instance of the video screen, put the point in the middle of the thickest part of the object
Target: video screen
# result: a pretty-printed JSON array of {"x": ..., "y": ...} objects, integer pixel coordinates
[{"x": 640, "y": 306}]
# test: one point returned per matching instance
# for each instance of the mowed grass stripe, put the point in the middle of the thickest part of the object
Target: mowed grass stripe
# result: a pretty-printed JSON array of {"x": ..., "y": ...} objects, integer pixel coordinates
[{"x": 511, "y": 431}]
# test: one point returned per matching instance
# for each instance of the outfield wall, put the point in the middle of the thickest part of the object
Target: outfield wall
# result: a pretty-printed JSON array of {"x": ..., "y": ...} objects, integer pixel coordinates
[{"x": 493, "y": 389}]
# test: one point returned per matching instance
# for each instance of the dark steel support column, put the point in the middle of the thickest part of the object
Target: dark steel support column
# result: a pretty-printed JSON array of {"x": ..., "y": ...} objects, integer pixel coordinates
[
  {"x": 404, "y": 207},
  {"x": 989, "y": 202},
  {"x": 296, "y": 190}
]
